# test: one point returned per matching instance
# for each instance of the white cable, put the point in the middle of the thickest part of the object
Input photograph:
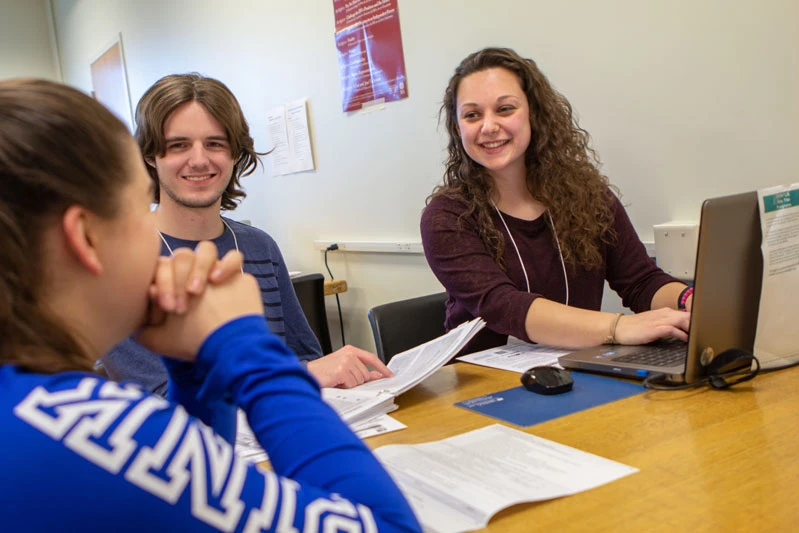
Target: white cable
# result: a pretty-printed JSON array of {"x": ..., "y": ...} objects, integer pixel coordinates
[
  {"x": 167, "y": 244},
  {"x": 235, "y": 240},
  {"x": 526, "y": 279},
  {"x": 519, "y": 255},
  {"x": 562, "y": 263}
]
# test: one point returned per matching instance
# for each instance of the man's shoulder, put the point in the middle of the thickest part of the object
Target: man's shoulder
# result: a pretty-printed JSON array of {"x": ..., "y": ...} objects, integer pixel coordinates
[{"x": 250, "y": 233}]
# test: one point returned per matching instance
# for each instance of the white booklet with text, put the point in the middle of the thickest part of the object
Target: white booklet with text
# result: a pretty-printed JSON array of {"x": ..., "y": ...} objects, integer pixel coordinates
[
  {"x": 413, "y": 366},
  {"x": 364, "y": 402}
]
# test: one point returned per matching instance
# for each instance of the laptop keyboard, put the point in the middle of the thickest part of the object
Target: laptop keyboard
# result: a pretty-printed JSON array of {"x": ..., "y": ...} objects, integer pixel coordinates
[{"x": 665, "y": 354}]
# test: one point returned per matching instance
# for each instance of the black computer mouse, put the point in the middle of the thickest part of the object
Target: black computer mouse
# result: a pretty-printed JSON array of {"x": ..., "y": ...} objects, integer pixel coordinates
[{"x": 547, "y": 380}]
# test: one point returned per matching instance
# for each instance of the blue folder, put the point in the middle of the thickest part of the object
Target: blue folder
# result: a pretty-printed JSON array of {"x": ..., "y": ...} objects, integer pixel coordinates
[{"x": 524, "y": 408}]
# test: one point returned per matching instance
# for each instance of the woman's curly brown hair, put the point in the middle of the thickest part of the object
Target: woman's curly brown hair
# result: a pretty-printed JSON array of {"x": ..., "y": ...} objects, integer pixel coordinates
[{"x": 562, "y": 168}]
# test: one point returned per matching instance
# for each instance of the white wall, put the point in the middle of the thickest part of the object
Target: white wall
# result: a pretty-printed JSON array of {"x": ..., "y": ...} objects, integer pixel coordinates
[
  {"x": 26, "y": 46},
  {"x": 684, "y": 100}
]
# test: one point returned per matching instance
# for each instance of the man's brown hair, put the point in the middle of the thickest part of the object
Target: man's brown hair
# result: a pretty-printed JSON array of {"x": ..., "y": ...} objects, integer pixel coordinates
[{"x": 169, "y": 93}]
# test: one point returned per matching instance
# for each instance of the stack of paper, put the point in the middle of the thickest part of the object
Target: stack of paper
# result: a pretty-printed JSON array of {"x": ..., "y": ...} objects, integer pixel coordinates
[
  {"x": 248, "y": 447},
  {"x": 364, "y": 408},
  {"x": 355, "y": 406},
  {"x": 361, "y": 406}
]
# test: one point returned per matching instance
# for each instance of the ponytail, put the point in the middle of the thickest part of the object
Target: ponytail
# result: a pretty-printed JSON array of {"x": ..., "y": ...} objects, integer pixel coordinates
[{"x": 58, "y": 147}]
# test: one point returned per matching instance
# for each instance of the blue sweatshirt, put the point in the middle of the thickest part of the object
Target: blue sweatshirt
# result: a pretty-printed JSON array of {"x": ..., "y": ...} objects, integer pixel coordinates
[{"x": 80, "y": 453}]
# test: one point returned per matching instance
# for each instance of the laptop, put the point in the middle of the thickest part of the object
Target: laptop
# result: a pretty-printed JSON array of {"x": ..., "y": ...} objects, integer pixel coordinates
[{"x": 727, "y": 283}]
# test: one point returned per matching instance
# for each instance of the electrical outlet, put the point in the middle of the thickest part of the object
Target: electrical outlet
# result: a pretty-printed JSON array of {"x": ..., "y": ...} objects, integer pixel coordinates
[{"x": 675, "y": 248}]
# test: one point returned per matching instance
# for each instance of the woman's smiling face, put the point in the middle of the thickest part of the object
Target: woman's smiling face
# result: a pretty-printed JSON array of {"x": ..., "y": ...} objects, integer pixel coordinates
[{"x": 494, "y": 120}]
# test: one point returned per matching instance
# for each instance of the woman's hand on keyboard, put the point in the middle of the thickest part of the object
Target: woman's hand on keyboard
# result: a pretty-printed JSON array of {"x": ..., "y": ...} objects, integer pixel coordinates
[{"x": 649, "y": 326}]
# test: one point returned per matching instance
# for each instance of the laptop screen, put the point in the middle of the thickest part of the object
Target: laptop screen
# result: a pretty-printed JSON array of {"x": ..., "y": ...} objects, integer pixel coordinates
[{"x": 728, "y": 279}]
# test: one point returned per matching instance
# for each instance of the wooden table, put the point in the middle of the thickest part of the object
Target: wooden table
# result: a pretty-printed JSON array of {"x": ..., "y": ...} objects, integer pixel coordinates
[{"x": 709, "y": 460}]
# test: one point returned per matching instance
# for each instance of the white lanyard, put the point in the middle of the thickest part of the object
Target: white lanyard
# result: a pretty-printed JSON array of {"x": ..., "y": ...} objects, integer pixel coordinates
[
  {"x": 519, "y": 255},
  {"x": 235, "y": 240}
]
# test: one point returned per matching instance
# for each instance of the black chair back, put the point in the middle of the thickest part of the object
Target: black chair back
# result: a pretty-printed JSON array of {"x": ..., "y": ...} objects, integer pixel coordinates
[
  {"x": 310, "y": 290},
  {"x": 402, "y": 325}
]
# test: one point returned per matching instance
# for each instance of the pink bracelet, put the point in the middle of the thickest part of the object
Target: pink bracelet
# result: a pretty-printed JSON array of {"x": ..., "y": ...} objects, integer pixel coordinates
[{"x": 683, "y": 298}]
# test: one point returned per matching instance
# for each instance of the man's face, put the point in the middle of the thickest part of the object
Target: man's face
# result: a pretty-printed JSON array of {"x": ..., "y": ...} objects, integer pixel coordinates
[{"x": 197, "y": 166}]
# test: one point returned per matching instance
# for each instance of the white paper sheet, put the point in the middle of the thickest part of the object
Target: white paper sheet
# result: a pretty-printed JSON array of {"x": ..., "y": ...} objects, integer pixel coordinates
[
  {"x": 278, "y": 136},
  {"x": 777, "y": 339},
  {"x": 299, "y": 135},
  {"x": 458, "y": 484},
  {"x": 290, "y": 135},
  {"x": 377, "y": 426},
  {"x": 516, "y": 356}
]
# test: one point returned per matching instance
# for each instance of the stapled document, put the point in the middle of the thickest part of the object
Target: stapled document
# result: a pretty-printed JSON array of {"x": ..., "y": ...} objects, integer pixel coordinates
[{"x": 458, "y": 484}]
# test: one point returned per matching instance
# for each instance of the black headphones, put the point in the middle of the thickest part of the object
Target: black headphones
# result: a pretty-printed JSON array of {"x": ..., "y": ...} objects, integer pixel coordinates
[
  {"x": 730, "y": 364},
  {"x": 728, "y": 368}
]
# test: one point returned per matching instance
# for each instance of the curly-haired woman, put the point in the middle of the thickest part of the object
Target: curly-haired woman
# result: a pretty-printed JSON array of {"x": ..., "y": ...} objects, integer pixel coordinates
[{"x": 525, "y": 229}]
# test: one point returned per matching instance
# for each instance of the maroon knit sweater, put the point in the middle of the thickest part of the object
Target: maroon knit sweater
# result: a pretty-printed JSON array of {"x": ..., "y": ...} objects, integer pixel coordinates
[{"x": 478, "y": 287}]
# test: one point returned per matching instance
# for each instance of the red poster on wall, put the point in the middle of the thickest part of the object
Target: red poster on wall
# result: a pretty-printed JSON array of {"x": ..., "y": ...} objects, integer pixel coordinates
[{"x": 370, "y": 59}]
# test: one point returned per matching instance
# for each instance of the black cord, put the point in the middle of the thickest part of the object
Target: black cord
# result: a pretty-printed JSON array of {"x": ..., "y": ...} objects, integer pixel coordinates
[
  {"x": 649, "y": 383},
  {"x": 334, "y": 246},
  {"x": 717, "y": 381}
]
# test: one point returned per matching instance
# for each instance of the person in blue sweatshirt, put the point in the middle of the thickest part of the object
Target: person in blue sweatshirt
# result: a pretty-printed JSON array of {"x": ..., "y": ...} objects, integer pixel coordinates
[{"x": 80, "y": 271}]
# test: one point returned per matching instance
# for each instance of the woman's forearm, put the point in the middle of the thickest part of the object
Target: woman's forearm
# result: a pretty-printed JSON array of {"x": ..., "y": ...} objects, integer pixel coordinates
[
  {"x": 667, "y": 295},
  {"x": 555, "y": 324}
]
